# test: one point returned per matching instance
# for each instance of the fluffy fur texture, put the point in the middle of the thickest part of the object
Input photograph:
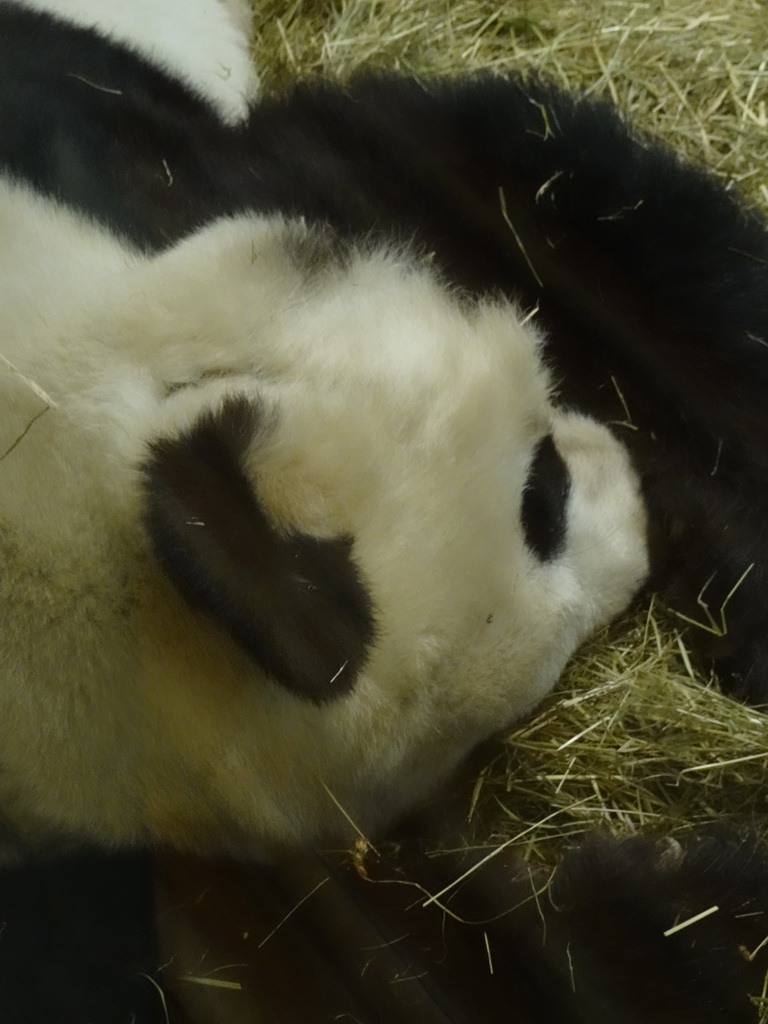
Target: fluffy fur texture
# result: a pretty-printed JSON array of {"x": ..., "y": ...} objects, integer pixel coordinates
[
  {"x": 373, "y": 410},
  {"x": 99, "y": 126},
  {"x": 288, "y": 523},
  {"x": 649, "y": 278},
  {"x": 263, "y": 520},
  {"x": 202, "y": 43}
]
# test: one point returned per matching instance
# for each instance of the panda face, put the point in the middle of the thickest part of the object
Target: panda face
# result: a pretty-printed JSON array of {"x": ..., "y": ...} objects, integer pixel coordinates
[
  {"x": 298, "y": 528},
  {"x": 365, "y": 489}
]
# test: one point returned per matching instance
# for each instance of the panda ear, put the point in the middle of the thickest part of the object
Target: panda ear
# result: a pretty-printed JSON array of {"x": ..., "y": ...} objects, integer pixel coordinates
[{"x": 294, "y": 602}]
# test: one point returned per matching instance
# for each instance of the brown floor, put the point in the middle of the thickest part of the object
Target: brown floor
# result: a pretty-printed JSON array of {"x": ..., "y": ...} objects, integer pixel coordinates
[
  {"x": 132, "y": 938},
  {"x": 315, "y": 941}
]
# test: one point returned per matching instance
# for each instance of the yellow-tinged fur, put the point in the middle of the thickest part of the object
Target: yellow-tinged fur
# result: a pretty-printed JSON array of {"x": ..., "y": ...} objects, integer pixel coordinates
[{"x": 398, "y": 415}]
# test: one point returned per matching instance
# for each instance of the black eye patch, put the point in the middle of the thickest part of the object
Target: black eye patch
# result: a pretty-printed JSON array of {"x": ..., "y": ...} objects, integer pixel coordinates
[
  {"x": 295, "y": 603},
  {"x": 545, "y": 500}
]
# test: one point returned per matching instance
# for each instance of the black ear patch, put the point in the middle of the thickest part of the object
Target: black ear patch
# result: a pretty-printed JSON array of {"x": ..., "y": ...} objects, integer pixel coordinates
[
  {"x": 545, "y": 501},
  {"x": 294, "y": 602}
]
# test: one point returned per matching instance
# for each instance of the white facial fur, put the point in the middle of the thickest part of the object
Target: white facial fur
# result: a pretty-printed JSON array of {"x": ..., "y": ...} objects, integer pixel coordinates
[
  {"x": 205, "y": 43},
  {"x": 401, "y": 417}
]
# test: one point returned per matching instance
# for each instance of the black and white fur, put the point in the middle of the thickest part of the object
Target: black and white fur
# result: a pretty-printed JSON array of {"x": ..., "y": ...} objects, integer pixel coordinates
[
  {"x": 204, "y": 45},
  {"x": 303, "y": 385},
  {"x": 287, "y": 523},
  {"x": 649, "y": 276}
]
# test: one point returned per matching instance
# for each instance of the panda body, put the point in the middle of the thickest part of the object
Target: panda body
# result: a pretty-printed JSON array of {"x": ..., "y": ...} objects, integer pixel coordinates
[
  {"x": 262, "y": 529},
  {"x": 305, "y": 308},
  {"x": 203, "y": 45},
  {"x": 657, "y": 342}
]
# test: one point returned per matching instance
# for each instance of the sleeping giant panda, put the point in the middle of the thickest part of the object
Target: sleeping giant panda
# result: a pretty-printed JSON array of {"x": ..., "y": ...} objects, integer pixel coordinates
[
  {"x": 648, "y": 277},
  {"x": 290, "y": 519}
]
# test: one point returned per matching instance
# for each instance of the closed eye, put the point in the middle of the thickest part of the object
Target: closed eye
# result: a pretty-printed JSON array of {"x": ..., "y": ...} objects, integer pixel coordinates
[{"x": 545, "y": 501}]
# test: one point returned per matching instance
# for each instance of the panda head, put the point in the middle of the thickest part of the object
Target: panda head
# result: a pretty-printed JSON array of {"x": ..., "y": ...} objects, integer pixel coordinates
[{"x": 378, "y": 540}]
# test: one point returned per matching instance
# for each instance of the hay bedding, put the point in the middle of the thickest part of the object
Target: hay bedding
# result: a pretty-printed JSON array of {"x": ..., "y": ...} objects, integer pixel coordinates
[
  {"x": 632, "y": 738},
  {"x": 693, "y": 71}
]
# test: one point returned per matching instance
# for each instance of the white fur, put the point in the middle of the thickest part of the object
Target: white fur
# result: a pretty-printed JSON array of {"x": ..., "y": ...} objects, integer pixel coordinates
[
  {"x": 403, "y": 419},
  {"x": 205, "y": 43}
]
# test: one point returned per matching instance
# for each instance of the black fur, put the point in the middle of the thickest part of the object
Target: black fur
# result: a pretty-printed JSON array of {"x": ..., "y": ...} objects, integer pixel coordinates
[
  {"x": 295, "y": 603},
  {"x": 651, "y": 278},
  {"x": 588, "y": 935},
  {"x": 93, "y": 124},
  {"x": 614, "y": 901},
  {"x": 545, "y": 501},
  {"x": 77, "y": 942},
  {"x": 652, "y": 283}
]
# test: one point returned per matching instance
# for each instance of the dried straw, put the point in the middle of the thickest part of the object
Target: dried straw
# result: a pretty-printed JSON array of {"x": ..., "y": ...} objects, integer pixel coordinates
[
  {"x": 631, "y": 740},
  {"x": 693, "y": 71}
]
